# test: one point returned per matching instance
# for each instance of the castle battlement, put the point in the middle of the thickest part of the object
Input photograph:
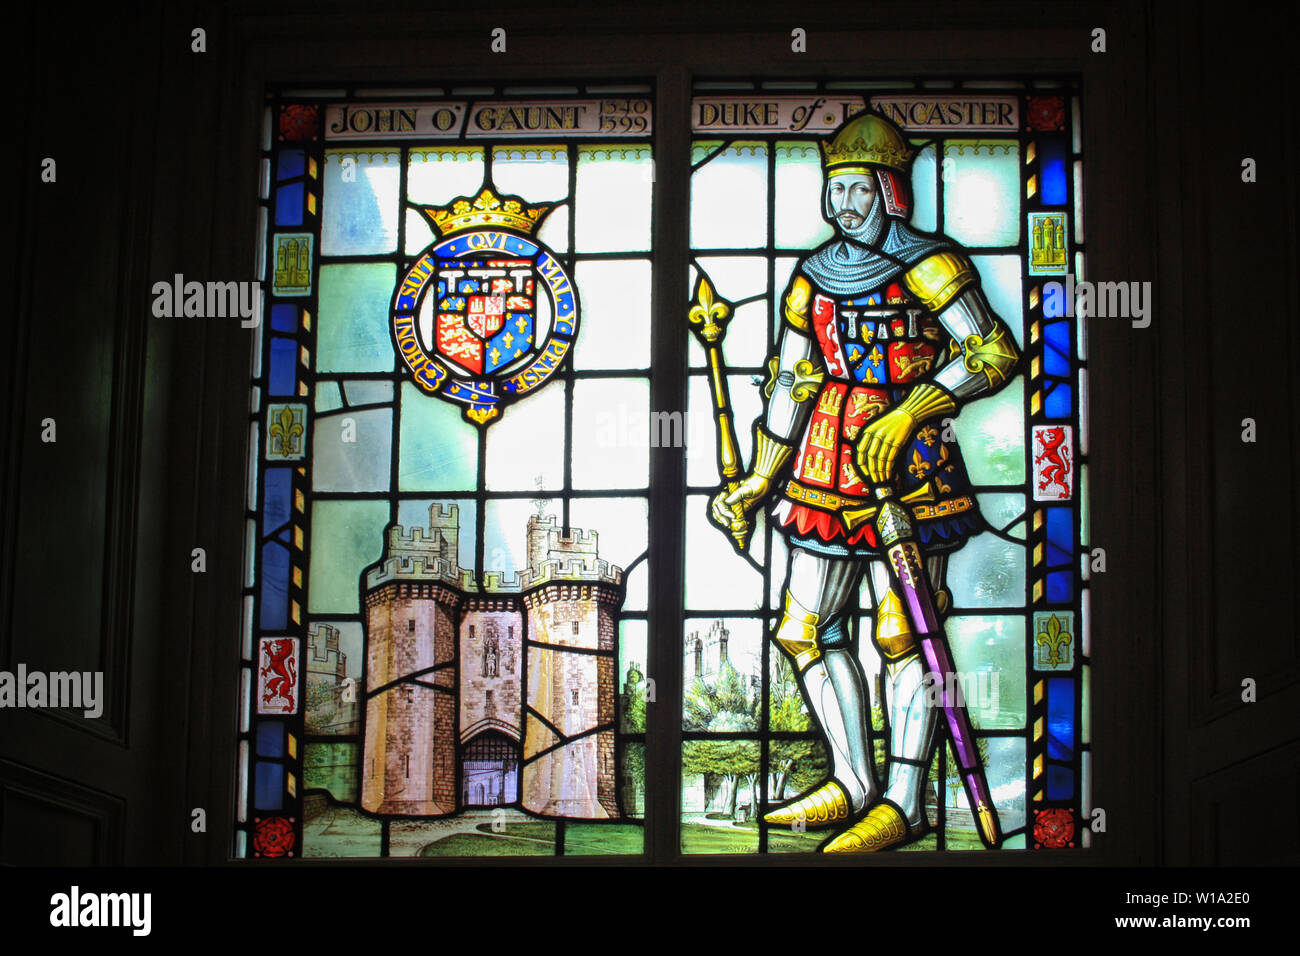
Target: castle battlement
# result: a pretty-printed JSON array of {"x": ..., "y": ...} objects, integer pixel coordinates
[{"x": 429, "y": 555}]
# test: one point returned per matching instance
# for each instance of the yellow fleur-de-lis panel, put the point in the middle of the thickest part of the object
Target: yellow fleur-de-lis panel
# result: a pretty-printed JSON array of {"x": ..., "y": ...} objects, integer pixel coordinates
[{"x": 285, "y": 431}]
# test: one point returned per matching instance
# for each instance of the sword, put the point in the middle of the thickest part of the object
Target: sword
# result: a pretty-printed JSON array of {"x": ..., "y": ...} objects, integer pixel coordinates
[
  {"x": 908, "y": 573},
  {"x": 708, "y": 318}
]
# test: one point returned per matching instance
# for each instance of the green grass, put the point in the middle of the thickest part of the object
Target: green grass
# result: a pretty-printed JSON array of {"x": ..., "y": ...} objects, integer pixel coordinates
[{"x": 475, "y": 844}]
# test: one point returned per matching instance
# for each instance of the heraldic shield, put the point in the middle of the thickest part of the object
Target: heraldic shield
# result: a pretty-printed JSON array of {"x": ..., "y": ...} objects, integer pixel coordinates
[{"x": 486, "y": 314}]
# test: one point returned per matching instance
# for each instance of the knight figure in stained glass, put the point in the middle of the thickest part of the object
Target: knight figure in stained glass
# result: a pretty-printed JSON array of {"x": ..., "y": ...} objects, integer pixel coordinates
[{"x": 885, "y": 336}]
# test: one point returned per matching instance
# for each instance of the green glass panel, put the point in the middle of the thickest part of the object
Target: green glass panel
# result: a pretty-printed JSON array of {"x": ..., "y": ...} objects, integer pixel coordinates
[
  {"x": 989, "y": 652},
  {"x": 992, "y": 432},
  {"x": 346, "y": 536},
  {"x": 987, "y": 572},
  {"x": 438, "y": 448},
  {"x": 352, "y": 334}
]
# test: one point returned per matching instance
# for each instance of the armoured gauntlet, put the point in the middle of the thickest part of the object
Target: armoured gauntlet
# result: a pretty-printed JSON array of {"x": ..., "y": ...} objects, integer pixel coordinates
[
  {"x": 880, "y": 441},
  {"x": 734, "y": 507}
]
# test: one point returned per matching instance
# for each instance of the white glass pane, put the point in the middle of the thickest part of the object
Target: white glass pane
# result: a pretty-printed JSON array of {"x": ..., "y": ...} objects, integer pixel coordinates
[
  {"x": 729, "y": 199},
  {"x": 614, "y": 329},
  {"x": 360, "y": 203},
  {"x": 352, "y": 451},
  {"x": 621, "y": 523},
  {"x": 982, "y": 195},
  {"x": 1000, "y": 278},
  {"x": 925, "y": 194},
  {"x": 799, "y": 223},
  {"x": 525, "y": 449},
  {"x": 614, "y": 188},
  {"x": 539, "y": 173},
  {"x": 716, "y": 577},
  {"x": 611, "y": 429},
  {"x": 419, "y": 234},
  {"x": 702, "y": 441},
  {"x": 437, "y": 176}
]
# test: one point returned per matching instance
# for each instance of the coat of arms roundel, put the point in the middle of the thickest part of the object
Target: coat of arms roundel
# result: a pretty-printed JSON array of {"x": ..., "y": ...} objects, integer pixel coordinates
[{"x": 486, "y": 314}]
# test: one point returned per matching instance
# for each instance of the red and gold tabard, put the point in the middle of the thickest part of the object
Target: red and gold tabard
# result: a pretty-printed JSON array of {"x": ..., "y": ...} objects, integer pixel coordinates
[{"x": 873, "y": 348}]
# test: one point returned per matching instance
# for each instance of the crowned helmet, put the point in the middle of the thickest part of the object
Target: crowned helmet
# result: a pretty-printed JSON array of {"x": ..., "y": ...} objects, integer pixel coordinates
[{"x": 867, "y": 140}]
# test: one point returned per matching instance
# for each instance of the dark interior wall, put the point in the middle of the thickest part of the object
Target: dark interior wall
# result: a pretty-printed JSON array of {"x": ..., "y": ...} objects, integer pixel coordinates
[{"x": 156, "y": 151}]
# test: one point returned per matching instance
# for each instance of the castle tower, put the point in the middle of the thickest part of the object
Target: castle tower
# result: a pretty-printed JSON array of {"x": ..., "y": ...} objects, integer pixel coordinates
[
  {"x": 571, "y": 599},
  {"x": 412, "y": 599}
]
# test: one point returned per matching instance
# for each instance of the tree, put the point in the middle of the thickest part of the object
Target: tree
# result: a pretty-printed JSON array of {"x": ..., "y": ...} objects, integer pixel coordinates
[{"x": 721, "y": 705}]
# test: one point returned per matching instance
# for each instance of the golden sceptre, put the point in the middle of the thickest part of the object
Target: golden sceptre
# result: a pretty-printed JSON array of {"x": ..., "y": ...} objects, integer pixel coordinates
[{"x": 708, "y": 317}]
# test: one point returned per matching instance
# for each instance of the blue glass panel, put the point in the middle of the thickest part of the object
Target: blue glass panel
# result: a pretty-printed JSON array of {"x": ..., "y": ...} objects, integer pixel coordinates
[
  {"x": 275, "y": 586},
  {"x": 1053, "y": 160},
  {"x": 1055, "y": 362},
  {"x": 270, "y": 738},
  {"x": 284, "y": 536},
  {"x": 1058, "y": 402},
  {"x": 268, "y": 786},
  {"x": 1060, "y": 782},
  {"x": 1060, "y": 718},
  {"x": 288, "y": 205},
  {"x": 1059, "y": 530},
  {"x": 284, "y": 318},
  {"x": 284, "y": 353},
  {"x": 275, "y": 504},
  {"x": 292, "y": 162},
  {"x": 1060, "y": 587},
  {"x": 1057, "y": 334}
]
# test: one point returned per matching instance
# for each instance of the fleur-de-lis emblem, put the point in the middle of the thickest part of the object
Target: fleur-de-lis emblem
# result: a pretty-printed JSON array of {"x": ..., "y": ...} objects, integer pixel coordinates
[
  {"x": 709, "y": 313},
  {"x": 1053, "y": 640},
  {"x": 928, "y": 434},
  {"x": 919, "y": 465},
  {"x": 286, "y": 433}
]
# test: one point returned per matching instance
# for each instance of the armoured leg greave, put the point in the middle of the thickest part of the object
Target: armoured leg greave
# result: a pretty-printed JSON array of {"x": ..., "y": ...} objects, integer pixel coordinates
[
  {"x": 813, "y": 633},
  {"x": 912, "y": 716}
]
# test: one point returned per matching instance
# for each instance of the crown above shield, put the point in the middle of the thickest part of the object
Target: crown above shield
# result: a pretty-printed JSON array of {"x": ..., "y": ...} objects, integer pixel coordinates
[
  {"x": 487, "y": 210},
  {"x": 867, "y": 140}
]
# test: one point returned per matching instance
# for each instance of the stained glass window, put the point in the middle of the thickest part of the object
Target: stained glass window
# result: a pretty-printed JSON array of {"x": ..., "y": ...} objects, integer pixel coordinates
[
  {"x": 870, "y": 269},
  {"x": 446, "y": 596},
  {"x": 446, "y": 648}
]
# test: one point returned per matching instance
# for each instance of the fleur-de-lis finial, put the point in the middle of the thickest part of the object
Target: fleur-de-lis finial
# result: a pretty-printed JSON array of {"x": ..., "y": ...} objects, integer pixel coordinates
[{"x": 709, "y": 313}]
